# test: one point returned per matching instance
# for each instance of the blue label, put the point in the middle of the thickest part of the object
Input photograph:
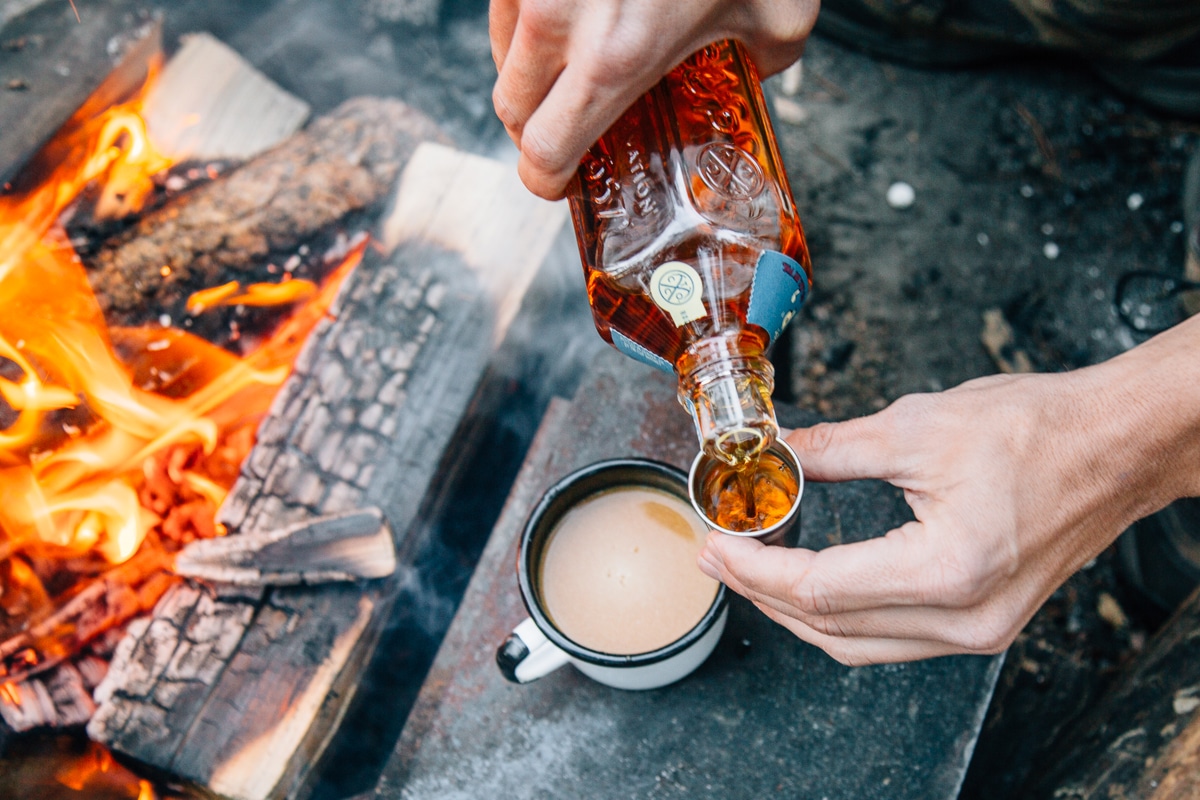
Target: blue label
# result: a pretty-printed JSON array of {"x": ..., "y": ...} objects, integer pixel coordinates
[
  {"x": 779, "y": 290},
  {"x": 638, "y": 353}
]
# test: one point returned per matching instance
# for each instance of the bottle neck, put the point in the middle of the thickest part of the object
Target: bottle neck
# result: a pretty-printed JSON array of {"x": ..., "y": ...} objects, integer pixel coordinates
[{"x": 725, "y": 381}]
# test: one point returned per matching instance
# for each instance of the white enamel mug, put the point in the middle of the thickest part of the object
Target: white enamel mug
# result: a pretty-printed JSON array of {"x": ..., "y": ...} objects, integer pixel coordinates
[{"x": 536, "y": 647}]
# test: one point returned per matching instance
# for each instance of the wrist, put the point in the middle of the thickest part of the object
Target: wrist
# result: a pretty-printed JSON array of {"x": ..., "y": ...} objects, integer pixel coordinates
[{"x": 1151, "y": 398}]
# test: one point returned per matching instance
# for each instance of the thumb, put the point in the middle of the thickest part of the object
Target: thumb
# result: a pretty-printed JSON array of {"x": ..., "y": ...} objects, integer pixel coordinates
[{"x": 844, "y": 451}]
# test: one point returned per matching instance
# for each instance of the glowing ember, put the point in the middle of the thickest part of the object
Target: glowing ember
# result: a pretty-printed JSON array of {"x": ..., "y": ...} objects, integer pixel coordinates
[{"x": 95, "y": 773}]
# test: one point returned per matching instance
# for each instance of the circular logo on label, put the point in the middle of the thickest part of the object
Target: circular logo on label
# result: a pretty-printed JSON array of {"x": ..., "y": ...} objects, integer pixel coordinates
[
  {"x": 730, "y": 171},
  {"x": 675, "y": 288}
]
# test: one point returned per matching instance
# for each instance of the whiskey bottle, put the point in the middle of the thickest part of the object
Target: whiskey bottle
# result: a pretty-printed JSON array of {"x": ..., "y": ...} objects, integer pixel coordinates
[{"x": 692, "y": 249}]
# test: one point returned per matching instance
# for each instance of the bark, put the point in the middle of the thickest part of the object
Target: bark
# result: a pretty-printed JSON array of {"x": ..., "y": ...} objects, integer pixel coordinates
[{"x": 343, "y": 162}]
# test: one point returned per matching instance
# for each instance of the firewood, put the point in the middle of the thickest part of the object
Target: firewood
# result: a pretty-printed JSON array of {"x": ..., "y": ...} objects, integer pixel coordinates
[
  {"x": 238, "y": 690},
  {"x": 337, "y": 547},
  {"x": 59, "y": 700},
  {"x": 109, "y": 601},
  {"x": 209, "y": 103},
  {"x": 343, "y": 162}
]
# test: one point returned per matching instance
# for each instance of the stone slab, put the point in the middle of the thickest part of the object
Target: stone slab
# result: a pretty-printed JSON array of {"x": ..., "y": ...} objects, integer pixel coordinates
[{"x": 765, "y": 715}]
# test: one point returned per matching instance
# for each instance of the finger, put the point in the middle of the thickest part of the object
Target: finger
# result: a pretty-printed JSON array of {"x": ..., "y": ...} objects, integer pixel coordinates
[
  {"x": 987, "y": 628},
  {"x": 502, "y": 21},
  {"x": 532, "y": 64},
  {"x": 844, "y": 451},
  {"x": 569, "y": 120},
  {"x": 899, "y": 569},
  {"x": 855, "y": 652}
]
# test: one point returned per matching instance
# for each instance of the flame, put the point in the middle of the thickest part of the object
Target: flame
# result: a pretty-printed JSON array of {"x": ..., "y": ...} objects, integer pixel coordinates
[
  {"x": 95, "y": 773},
  {"x": 256, "y": 294}
]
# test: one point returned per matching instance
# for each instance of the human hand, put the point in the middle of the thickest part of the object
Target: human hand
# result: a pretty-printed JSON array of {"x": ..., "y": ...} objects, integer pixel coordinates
[
  {"x": 569, "y": 68},
  {"x": 1015, "y": 483}
]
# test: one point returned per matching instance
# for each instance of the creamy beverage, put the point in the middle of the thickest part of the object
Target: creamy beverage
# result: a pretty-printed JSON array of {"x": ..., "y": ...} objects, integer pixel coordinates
[{"x": 619, "y": 573}]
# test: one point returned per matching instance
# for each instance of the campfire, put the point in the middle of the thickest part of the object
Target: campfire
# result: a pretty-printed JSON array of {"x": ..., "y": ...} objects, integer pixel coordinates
[
  {"x": 119, "y": 443},
  {"x": 231, "y": 368}
]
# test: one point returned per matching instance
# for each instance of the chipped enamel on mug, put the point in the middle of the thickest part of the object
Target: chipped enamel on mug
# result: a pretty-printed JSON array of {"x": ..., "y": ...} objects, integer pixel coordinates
[
  {"x": 786, "y": 531},
  {"x": 536, "y": 647}
]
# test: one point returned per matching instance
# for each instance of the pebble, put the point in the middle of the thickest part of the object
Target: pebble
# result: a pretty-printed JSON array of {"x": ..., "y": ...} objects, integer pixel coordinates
[
  {"x": 165, "y": 320},
  {"x": 1177, "y": 227},
  {"x": 1134, "y": 201},
  {"x": 982, "y": 238},
  {"x": 790, "y": 111},
  {"x": 1027, "y": 191},
  {"x": 792, "y": 78},
  {"x": 901, "y": 195},
  {"x": 1050, "y": 250}
]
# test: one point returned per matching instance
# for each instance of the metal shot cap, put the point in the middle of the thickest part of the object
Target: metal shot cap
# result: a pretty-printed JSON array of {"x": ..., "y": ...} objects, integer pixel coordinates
[{"x": 786, "y": 530}]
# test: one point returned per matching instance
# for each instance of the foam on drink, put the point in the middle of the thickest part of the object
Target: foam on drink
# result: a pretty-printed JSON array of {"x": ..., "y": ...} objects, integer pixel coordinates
[{"x": 619, "y": 574}]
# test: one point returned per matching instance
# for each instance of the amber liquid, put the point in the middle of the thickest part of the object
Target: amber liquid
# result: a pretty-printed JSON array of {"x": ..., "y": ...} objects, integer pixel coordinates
[{"x": 723, "y": 496}]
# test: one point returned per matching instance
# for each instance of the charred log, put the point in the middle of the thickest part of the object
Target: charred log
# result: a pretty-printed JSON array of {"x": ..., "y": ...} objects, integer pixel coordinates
[
  {"x": 238, "y": 690},
  {"x": 343, "y": 162}
]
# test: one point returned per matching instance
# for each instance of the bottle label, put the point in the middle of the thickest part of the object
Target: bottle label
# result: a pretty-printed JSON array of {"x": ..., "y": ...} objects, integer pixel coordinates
[
  {"x": 675, "y": 287},
  {"x": 779, "y": 289},
  {"x": 638, "y": 353}
]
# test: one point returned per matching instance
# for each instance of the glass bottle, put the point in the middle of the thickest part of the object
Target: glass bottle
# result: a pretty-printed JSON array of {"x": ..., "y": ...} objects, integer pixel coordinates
[{"x": 692, "y": 249}]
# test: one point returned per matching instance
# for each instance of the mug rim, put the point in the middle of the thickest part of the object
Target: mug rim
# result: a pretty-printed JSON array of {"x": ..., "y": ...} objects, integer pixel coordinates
[{"x": 525, "y": 570}]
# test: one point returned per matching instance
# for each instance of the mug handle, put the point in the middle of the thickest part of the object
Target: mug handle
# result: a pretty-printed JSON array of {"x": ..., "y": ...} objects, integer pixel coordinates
[{"x": 527, "y": 654}]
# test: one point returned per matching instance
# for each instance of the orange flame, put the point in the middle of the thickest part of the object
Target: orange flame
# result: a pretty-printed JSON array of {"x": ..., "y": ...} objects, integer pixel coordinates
[
  {"x": 256, "y": 294},
  {"x": 95, "y": 773}
]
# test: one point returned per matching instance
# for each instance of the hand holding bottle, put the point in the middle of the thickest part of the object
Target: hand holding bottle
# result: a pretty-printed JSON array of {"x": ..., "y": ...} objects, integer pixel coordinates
[
  {"x": 1015, "y": 482},
  {"x": 569, "y": 68}
]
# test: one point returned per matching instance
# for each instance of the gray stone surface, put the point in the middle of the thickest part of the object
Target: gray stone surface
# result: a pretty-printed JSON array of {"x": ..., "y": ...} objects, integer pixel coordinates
[{"x": 766, "y": 715}]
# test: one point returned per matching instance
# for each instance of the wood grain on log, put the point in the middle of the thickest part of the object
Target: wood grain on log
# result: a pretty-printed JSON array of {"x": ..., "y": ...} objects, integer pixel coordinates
[
  {"x": 239, "y": 693},
  {"x": 339, "y": 547},
  {"x": 210, "y": 103},
  {"x": 345, "y": 161}
]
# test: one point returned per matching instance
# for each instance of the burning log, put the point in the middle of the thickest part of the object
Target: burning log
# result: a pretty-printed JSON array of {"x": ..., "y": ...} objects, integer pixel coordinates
[
  {"x": 112, "y": 599},
  {"x": 61, "y": 700},
  {"x": 240, "y": 692},
  {"x": 60, "y": 697},
  {"x": 339, "y": 547},
  {"x": 343, "y": 162}
]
